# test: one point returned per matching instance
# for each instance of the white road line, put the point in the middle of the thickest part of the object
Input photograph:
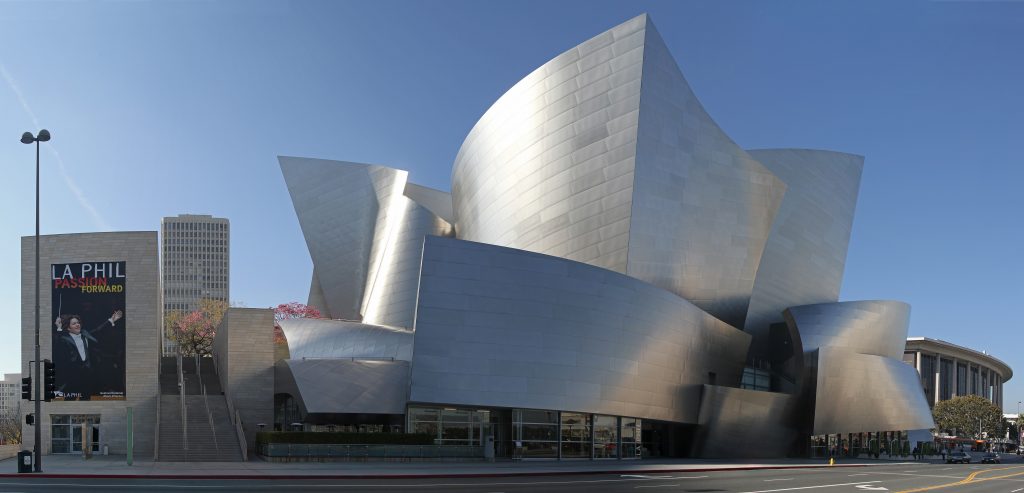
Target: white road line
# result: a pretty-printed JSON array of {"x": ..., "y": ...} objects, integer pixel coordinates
[
  {"x": 903, "y": 471},
  {"x": 780, "y": 479},
  {"x": 812, "y": 487},
  {"x": 860, "y": 474},
  {"x": 1016, "y": 490},
  {"x": 657, "y": 486},
  {"x": 647, "y": 476}
]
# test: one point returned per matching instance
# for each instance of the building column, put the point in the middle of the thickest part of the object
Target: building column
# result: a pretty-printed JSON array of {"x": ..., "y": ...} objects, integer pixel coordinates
[
  {"x": 956, "y": 378},
  {"x": 938, "y": 378},
  {"x": 917, "y": 361}
]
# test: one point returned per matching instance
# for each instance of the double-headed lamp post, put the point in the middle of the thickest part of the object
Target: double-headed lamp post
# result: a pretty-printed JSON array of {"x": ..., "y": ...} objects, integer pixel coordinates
[{"x": 28, "y": 138}]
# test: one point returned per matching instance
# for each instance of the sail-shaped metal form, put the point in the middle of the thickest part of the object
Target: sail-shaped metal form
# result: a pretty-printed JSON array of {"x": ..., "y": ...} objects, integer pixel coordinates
[{"x": 606, "y": 249}]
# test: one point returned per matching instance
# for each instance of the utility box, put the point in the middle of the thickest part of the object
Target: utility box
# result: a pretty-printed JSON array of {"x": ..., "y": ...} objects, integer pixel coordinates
[{"x": 25, "y": 461}]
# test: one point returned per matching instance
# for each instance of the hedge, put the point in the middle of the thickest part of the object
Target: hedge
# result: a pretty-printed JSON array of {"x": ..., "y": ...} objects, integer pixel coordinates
[{"x": 344, "y": 438}]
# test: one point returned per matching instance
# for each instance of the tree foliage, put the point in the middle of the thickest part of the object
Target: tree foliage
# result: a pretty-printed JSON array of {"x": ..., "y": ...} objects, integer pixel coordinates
[
  {"x": 968, "y": 415},
  {"x": 194, "y": 331}
]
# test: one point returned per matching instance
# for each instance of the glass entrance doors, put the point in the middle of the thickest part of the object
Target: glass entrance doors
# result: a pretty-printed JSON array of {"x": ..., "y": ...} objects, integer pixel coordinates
[{"x": 66, "y": 433}]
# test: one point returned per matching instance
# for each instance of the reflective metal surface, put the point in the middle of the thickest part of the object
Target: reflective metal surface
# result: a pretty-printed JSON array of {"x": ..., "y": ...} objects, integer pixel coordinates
[
  {"x": 611, "y": 241},
  {"x": 503, "y": 327},
  {"x": 864, "y": 392},
  {"x": 549, "y": 167},
  {"x": 866, "y": 327},
  {"x": 319, "y": 338},
  {"x": 364, "y": 234},
  {"x": 702, "y": 208},
  {"x": 729, "y": 416},
  {"x": 806, "y": 252},
  {"x": 342, "y": 209},
  {"x": 344, "y": 386}
]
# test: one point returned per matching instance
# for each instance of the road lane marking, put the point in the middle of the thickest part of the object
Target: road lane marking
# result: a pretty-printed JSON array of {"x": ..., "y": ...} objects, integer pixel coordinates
[
  {"x": 646, "y": 476},
  {"x": 868, "y": 487},
  {"x": 860, "y": 474},
  {"x": 812, "y": 487},
  {"x": 1016, "y": 490},
  {"x": 780, "y": 479},
  {"x": 657, "y": 486},
  {"x": 969, "y": 479}
]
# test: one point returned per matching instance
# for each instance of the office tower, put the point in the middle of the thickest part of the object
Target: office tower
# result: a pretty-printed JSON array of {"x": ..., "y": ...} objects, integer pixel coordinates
[{"x": 195, "y": 254}]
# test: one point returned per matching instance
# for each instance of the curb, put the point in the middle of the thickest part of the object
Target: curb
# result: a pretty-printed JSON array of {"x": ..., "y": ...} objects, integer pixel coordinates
[{"x": 293, "y": 477}]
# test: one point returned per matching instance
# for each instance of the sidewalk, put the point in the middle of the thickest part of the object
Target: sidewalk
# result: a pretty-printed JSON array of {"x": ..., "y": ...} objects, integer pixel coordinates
[{"x": 115, "y": 466}]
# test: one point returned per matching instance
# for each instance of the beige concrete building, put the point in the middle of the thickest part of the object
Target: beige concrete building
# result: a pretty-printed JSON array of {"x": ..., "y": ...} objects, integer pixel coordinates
[
  {"x": 10, "y": 393},
  {"x": 105, "y": 421},
  {"x": 948, "y": 370},
  {"x": 195, "y": 253}
]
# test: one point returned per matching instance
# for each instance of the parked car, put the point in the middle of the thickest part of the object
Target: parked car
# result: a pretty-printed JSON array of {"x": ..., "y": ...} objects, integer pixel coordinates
[
  {"x": 990, "y": 458},
  {"x": 959, "y": 458}
]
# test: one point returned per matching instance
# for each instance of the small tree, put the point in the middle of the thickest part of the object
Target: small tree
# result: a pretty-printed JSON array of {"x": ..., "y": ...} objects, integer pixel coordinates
[
  {"x": 194, "y": 331},
  {"x": 10, "y": 424},
  {"x": 968, "y": 415},
  {"x": 286, "y": 311}
]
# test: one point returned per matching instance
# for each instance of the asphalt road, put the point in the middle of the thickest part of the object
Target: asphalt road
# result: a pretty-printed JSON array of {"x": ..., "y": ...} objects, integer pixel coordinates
[{"x": 896, "y": 478}]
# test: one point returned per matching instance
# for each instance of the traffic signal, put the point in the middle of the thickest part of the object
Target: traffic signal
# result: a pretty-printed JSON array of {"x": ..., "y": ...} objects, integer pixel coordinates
[
  {"x": 49, "y": 380},
  {"x": 26, "y": 388},
  {"x": 30, "y": 419}
]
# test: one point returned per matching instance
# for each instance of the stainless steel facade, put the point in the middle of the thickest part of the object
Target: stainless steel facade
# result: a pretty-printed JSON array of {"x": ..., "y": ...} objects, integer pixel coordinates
[
  {"x": 865, "y": 327},
  {"x": 508, "y": 328},
  {"x": 806, "y": 252},
  {"x": 864, "y": 392},
  {"x": 607, "y": 250}
]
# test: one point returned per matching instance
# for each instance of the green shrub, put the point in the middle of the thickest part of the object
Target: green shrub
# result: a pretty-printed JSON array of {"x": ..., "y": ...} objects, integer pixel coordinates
[{"x": 344, "y": 438}]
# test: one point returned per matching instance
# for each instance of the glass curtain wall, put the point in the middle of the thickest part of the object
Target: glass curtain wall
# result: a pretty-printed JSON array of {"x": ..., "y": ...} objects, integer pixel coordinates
[
  {"x": 450, "y": 426},
  {"x": 576, "y": 439},
  {"x": 536, "y": 433},
  {"x": 946, "y": 377},
  {"x": 606, "y": 437}
]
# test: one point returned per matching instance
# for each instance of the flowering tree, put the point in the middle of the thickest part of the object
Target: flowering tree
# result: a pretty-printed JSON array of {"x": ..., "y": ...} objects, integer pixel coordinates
[
  {"x": 286, "y": 311},
  {"x": 194, "y": 331}
]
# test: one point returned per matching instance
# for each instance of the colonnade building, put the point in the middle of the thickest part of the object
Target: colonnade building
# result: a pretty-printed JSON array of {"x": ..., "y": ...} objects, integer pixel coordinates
[{"x": 948, "y": 370}]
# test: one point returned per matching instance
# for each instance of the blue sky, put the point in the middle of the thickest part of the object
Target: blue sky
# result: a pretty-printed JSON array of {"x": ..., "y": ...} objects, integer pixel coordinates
[{"x": 162, "y": 108}]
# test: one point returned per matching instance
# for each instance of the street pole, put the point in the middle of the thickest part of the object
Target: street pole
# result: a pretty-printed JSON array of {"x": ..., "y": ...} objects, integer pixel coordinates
[{"x": 28, "y": 138}]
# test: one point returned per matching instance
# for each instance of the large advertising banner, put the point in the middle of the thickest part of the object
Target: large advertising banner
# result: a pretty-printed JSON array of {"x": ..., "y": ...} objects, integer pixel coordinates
[{"x": 88, "y": 325}]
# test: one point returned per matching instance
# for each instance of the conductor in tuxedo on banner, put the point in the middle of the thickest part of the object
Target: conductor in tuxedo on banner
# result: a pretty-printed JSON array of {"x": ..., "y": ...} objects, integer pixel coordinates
[{"x": 78, "y": 355}]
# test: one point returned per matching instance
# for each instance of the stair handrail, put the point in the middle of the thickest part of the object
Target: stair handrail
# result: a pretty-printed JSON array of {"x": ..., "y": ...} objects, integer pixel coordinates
[
  {"x": 184, "y": 410},
  {"x": 156, "y": 430},
  {"x": 241, "y": 436},
  {"x": 209, "y": 417}
]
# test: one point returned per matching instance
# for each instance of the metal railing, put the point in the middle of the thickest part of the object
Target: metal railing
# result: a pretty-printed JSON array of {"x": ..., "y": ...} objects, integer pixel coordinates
[
  {"x": 209, "y": 417},
  {"x": 184, "y": 409},
  {"x": 241, "y": 435}
]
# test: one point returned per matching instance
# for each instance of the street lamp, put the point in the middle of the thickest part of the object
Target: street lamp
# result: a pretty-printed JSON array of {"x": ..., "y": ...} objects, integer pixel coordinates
[{"x": 27, "y": 138}]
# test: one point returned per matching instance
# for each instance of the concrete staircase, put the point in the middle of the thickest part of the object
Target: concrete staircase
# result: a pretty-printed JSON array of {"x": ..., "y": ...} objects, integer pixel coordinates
[{"x": 219, "y": 444}]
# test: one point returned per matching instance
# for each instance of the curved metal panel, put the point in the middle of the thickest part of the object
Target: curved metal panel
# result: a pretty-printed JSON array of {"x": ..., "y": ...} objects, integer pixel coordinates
[
  {"x": 865, "y": 392},
  {"x": 726, "y": 417},
  {"x": 549, "y": 167},
  {"x": 436, "y": 201},
  {"x": 702, "y": 208},
  {"x": 320, "y": 338},
  {"x": 391, "y": 299},
  {"x": 579, "y": 161},
  {"x": 345, "y": 386},
  {"x": 342, "y": 209},
  {"x": 805, "y": 255},
  {"x": 868, "y": 327},
  {"x": 509, "y": 328}
]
